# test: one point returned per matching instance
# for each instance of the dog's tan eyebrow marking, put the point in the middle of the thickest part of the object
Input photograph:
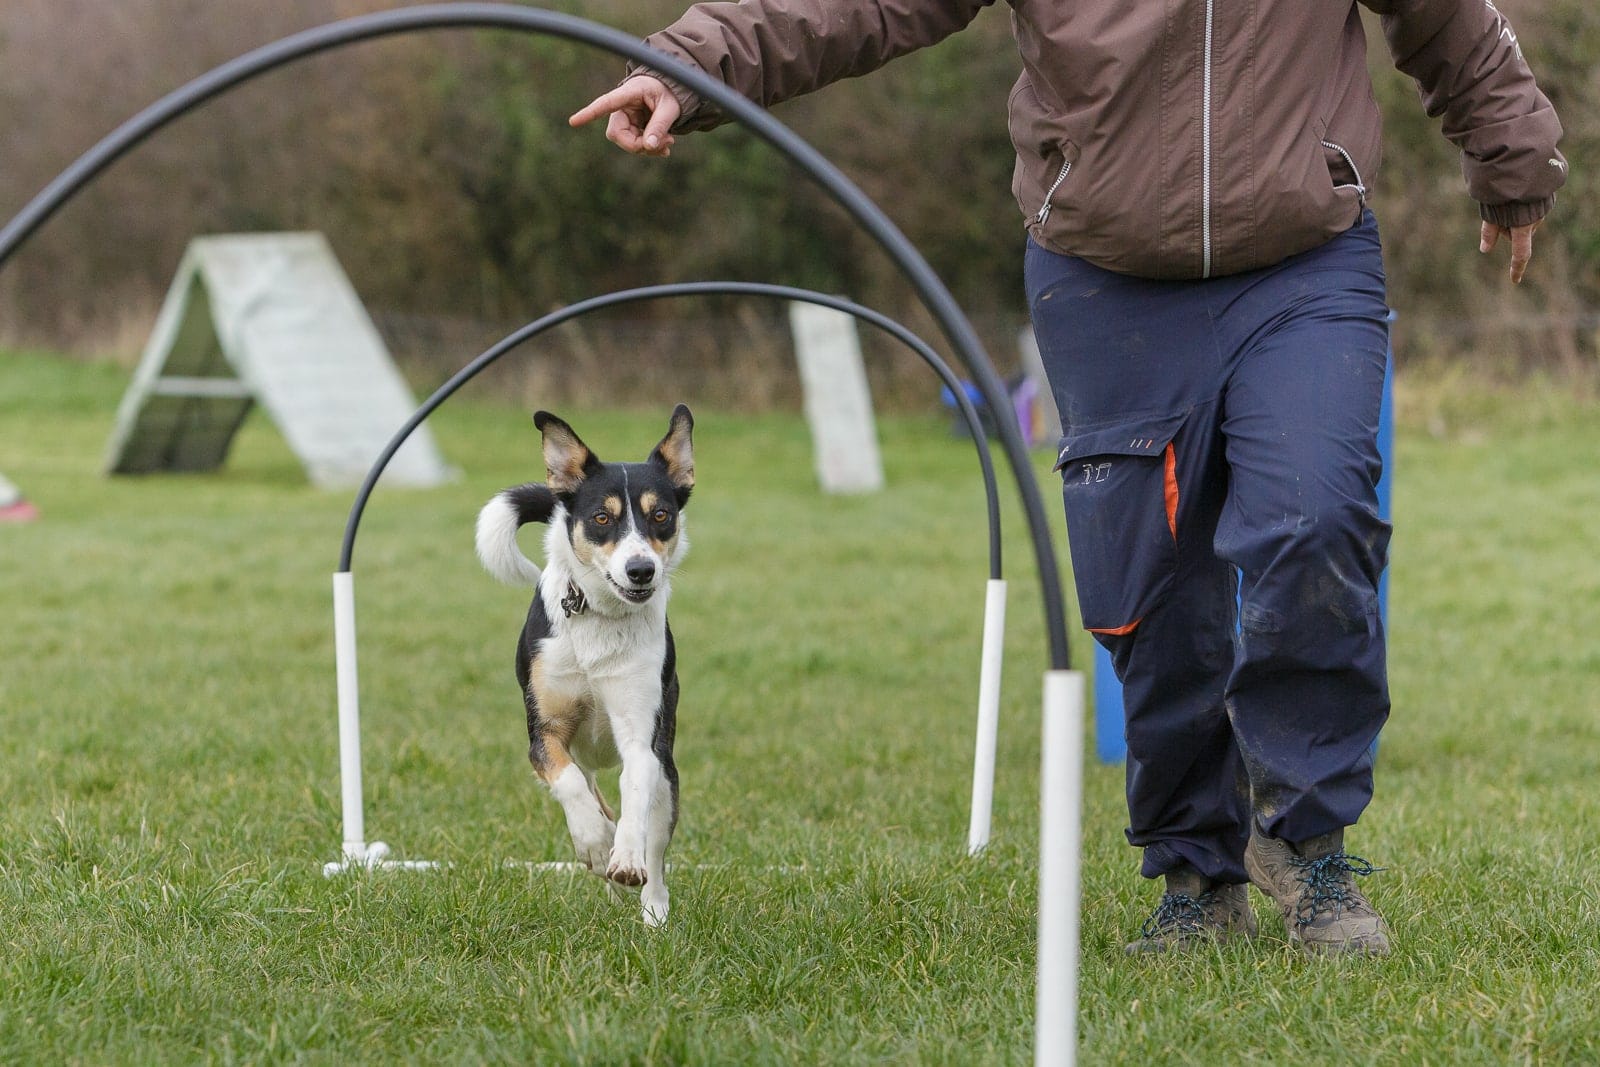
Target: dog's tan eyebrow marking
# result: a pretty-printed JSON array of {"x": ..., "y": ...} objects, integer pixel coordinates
[
  {"x": 648, "y": 501},
  {"x": 614, "y": 506}
]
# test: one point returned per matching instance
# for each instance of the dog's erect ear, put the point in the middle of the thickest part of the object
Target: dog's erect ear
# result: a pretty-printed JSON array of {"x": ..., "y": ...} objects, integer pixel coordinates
[
  {"x": 567, "y": 460},
  {"x": 676, "y": 452}
]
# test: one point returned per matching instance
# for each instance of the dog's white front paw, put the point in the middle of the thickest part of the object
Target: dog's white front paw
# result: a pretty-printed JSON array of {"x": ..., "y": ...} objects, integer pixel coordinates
[{"x": 626, "y": 866}]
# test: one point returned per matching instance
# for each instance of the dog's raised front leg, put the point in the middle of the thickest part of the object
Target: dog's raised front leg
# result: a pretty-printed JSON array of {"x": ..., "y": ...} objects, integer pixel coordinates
[
  {"x": 554, "y": 717},
  {"x": 592, "y": 833}
]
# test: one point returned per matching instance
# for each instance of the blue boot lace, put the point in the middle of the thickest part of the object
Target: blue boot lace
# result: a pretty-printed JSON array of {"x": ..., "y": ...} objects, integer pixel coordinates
[
  {"x": 1178, "y": 913},
  {"x": 1329, "y": 884}
]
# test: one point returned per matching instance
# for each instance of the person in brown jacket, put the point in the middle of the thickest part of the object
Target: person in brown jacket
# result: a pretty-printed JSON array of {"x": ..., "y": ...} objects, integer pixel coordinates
[{"x": 1206, "y": 285}]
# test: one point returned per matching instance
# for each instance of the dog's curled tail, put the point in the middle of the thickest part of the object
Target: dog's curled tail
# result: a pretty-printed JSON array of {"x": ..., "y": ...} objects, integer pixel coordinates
[{"x": 498, "y": 522}]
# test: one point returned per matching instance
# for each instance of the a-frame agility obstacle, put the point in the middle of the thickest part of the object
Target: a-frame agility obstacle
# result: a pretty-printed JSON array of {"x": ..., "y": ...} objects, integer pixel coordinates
[{"x": 268, "y": 319}]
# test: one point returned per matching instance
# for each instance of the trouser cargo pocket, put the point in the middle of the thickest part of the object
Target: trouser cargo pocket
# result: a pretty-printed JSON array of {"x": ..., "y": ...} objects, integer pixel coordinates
[{"x": 1120, "y": 489}]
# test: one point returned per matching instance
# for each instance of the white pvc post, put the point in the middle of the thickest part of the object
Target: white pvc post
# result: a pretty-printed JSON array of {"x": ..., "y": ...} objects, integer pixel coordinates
[
  {"x": 358, "y": 854},
  {"x": 344, "y": 652},
  {"x": 1060, "y": 839},
  {"x": 994, "y": 633}
]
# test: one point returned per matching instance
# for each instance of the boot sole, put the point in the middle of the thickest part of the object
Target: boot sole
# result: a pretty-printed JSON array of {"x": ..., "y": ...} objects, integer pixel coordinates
[{"x": 1368, "y": 949}]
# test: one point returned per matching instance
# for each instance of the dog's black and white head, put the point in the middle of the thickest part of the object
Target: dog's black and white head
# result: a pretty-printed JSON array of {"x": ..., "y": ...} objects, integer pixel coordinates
[{"x": 621, "y": 522}]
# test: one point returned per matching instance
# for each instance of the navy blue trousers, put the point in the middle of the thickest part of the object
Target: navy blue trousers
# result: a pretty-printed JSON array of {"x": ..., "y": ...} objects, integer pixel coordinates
[{"x": 1219, "y": 468}]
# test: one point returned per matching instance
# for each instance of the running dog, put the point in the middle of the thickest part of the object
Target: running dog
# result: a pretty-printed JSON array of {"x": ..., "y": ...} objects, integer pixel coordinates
[{"x": 595, "y": 660}]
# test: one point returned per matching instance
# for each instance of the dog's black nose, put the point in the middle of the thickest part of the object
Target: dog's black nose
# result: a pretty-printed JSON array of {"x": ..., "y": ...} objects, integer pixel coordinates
[{"x": 640, "y": 571}]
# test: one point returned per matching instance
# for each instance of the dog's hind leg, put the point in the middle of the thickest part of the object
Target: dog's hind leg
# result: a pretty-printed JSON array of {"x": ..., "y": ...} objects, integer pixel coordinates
[
  {"x": 618, "y": 892},
  {"x": 599, "y": 798}
]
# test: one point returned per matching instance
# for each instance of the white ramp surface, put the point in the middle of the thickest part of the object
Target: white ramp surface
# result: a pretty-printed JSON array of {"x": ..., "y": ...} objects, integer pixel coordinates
[{"x": 269, "y": 319}]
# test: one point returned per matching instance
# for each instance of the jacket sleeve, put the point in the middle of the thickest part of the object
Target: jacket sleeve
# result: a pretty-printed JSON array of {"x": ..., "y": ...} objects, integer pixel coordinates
[
  {"x": 1465, "y": 58},
  {"x": 771, "y": 50}
]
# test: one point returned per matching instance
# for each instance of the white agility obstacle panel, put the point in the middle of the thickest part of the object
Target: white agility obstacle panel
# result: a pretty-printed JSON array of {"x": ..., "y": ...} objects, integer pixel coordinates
[
  {"x": 838, "y": 403},
  {"x": 269, "y": 319}
]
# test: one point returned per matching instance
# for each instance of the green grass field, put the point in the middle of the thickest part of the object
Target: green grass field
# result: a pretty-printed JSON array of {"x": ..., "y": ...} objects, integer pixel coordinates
[{"x": 168, "y": 772}]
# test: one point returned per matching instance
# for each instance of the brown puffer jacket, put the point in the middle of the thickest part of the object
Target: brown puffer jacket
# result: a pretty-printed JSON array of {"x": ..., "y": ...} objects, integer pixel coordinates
[{"x": 1183, "y": 139}]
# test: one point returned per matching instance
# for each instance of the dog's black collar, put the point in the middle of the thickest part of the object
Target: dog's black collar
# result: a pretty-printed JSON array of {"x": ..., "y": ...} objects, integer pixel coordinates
[{"x": 574, "y": 603}]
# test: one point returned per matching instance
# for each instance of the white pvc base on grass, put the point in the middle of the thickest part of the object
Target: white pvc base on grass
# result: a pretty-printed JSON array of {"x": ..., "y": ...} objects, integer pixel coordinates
[{"x": 375, "y": 857}]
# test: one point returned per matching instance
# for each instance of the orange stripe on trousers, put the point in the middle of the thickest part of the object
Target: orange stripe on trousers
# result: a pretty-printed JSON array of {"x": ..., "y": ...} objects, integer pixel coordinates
[{"x": 1171, "y": 486}]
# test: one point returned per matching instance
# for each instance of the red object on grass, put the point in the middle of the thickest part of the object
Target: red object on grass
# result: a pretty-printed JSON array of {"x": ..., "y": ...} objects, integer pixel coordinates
[{"x": 21, "y": 511}]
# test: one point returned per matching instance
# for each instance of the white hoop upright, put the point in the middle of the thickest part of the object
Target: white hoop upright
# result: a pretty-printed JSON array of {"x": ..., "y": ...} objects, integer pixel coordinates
[
  {"x": 1055, "y": 1042},
  {"x": 358, "y": 854},
  {"x": 994, "y": 639}
]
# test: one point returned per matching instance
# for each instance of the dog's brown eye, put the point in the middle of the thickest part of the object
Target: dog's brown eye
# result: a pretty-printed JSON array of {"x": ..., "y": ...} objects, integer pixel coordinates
[
  {"x": 601, "y": 518},
  {"x": 660, "y": 515}
]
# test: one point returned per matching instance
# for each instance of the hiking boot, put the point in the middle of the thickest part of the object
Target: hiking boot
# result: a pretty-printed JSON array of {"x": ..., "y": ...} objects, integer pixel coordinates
[
  {"x": 1314, "y": 885},
  {"x": 1195, "y": 911}
]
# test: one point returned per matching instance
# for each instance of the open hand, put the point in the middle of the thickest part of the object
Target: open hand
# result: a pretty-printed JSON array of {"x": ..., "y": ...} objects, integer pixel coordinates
[{"x": 642, "y": 110}]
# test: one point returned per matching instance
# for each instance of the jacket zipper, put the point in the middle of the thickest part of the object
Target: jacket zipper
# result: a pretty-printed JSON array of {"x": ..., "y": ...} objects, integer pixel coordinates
[
  {"x": 1044, "y": 212},
  {"x": 1205, "y": 149},
  {"x": 1359, "y": 186}
]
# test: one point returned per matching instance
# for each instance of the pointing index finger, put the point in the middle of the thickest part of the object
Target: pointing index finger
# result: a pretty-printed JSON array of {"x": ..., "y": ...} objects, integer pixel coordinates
[{"x": 600, "y": 105}]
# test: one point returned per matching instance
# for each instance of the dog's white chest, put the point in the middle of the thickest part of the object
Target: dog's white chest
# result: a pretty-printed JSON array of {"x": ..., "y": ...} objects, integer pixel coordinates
[{"x": 597, "y": 647}]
